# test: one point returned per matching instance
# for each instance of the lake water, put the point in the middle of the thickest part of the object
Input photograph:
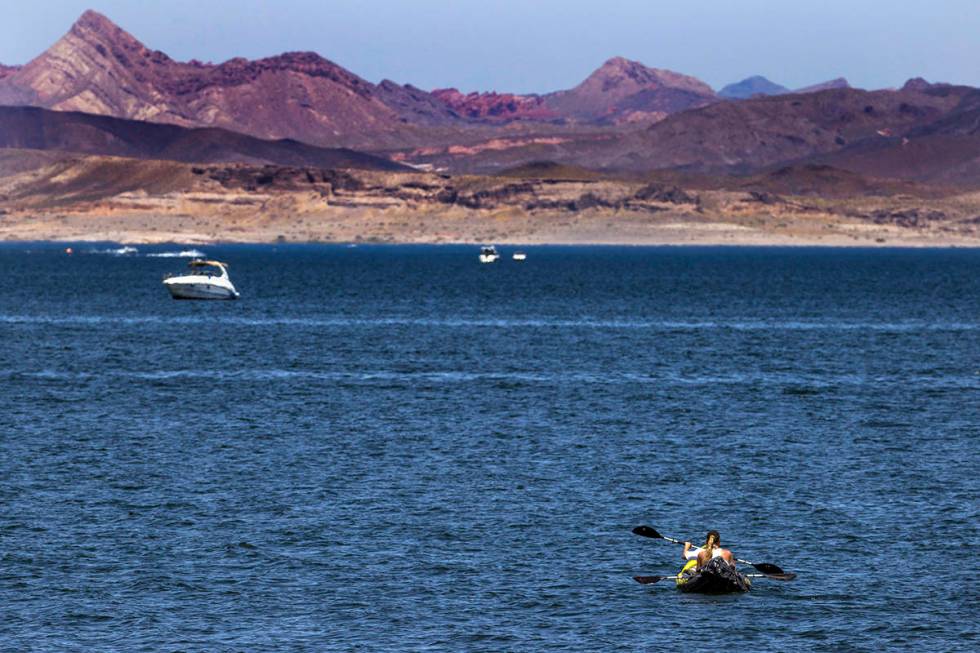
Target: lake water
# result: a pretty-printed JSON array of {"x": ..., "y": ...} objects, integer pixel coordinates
[{"x": 397, "y": 448}]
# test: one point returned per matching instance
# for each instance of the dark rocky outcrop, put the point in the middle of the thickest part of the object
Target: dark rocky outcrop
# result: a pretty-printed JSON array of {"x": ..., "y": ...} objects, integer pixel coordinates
[{"x": 670, "y": 194}]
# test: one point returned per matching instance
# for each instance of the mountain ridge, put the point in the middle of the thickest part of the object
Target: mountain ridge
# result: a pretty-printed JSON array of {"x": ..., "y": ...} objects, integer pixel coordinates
[{"x": 97, "y": 67}]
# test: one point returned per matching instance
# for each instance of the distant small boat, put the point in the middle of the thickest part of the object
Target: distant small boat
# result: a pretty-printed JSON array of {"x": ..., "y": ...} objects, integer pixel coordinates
[
  {"x": 489, "y": 254},
  {"x": 519, "y": 256},
  {"x": 206, "y": 280}
]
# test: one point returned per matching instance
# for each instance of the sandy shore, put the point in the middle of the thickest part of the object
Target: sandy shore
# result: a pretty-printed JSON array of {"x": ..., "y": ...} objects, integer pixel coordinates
[{"x": 397, "y": 225}]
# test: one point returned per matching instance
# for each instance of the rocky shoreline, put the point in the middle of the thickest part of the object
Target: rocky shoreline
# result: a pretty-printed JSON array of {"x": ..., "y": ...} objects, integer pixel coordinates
[{"x": 76, "y": 197}]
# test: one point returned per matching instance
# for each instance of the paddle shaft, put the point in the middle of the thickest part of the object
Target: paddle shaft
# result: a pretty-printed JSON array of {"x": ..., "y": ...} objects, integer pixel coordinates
[
  {"x": 764, "y": 567},
  {"x": 650, "y": 580}
]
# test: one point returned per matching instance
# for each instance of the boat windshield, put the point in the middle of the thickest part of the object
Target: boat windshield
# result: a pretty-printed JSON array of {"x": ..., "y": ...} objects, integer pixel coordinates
[{"x": 205, "y": 269}]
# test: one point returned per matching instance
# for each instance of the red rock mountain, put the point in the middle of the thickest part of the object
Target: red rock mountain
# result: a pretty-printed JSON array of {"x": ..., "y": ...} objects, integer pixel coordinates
[
  {"x": 495, "y": 107},
  {"x": 7, "y": 70},
  {"x": 99, "y": 68}
]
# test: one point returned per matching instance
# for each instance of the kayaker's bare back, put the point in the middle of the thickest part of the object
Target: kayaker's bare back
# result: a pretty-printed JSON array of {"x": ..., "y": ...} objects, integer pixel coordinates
[{"x": 711, "y": 549}]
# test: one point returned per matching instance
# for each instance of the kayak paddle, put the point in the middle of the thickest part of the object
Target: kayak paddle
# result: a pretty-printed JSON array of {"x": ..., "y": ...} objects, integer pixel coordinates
[
  {"x": 650, "y": 580},
  {"x": 787, "y": 576},
  {"x": 767, "y": 568}
]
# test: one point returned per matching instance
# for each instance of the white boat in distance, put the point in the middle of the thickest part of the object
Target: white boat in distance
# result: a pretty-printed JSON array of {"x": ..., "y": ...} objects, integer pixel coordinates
[
  {"x": 489, "y": 254},
  {"x": 206, "y": 280},
  {"x": 519, "y": 256}
]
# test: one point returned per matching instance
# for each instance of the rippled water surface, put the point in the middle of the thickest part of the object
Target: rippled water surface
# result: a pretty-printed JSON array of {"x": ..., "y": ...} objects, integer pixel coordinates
[{"x": 397, "y": 448}]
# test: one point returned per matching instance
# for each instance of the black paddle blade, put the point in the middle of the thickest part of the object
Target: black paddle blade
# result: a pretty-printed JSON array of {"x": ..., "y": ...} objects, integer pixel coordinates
[
  {"x": 648, "y": 580},
  {"x": 768, "y": 568},
  {"x": 647, "y": 531}
]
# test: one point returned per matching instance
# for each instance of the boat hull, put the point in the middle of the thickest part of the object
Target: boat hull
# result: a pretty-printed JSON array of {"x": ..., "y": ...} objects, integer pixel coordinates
[
  {"x": 200, "y": 291},
  {"x": 717, "y": 577}
]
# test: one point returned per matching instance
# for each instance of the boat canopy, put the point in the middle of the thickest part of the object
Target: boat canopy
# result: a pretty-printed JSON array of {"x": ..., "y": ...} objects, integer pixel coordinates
[{"x": 196, "y": 263}]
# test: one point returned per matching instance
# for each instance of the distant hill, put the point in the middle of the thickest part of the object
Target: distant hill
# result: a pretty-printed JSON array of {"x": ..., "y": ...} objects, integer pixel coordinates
[
  {"x": 874, "y": 133},
  {"x": 840, "y": 82},
  {"x": 765, "y": 131},
  {"x": 41, "y": 129},
  {"x": 620, "y": 91},
  {"x": 825, "y": 181},
  {"x": 756, "y": 85},
  {"x": 945, "y": 151},
  {"x": 623, "y": 91}
]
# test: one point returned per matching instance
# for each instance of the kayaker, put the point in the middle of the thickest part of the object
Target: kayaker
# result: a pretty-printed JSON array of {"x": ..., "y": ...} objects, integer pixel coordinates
[{"x": 711, "y": 549}]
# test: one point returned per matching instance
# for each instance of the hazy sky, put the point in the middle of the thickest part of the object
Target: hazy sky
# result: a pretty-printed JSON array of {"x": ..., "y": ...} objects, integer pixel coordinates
[{"x": 544, "y": 45}]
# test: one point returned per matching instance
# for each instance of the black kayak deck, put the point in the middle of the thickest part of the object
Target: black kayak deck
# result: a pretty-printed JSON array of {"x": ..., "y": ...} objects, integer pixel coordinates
[{"x": 717, "y": 577}]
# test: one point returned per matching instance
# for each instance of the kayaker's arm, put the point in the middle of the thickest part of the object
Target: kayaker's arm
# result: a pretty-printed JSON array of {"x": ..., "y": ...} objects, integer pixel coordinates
[{"x": 687, "y": 549}]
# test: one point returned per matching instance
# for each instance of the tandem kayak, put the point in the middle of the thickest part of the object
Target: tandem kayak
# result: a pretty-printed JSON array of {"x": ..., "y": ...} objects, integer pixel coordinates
[{"x": 717, "y": 577}]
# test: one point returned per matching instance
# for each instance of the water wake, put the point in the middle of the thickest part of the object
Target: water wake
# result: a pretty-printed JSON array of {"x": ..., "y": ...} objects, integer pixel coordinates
[{"x": 184, "y": 253}]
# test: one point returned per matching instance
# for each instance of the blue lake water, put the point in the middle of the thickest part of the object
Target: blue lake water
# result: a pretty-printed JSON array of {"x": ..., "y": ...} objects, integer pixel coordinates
[{"x": 397, "y": 448}]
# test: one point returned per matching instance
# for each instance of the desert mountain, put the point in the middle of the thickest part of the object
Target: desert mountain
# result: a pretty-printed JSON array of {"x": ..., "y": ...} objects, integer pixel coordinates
[
  {"x": 756, "y": 85},
  {"x": 619, "y": 91},
  {"x": 946, "y": 150},
  {"x": 99, "y": 68},
  {"x": 623, "y": 117},
  {"x": 765, "y": 131},
  {"x": 625, "y": 91},
  {"x": 40, "y": 129},
  {"x": 878, "y": 133}
]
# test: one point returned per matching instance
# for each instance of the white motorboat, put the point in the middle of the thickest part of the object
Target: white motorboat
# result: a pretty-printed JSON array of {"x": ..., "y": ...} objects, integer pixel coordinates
[
  {"x": 519, "y": 256},
  {"x": 206, "y": 280},
  {"x": 489, "y": 254}
]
